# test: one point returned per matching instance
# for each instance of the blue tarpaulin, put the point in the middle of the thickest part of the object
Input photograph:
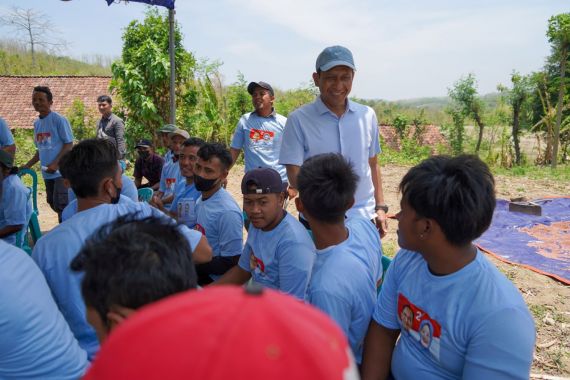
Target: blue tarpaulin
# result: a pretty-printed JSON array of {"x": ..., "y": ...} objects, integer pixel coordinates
[{"x": 163, "y": 3}]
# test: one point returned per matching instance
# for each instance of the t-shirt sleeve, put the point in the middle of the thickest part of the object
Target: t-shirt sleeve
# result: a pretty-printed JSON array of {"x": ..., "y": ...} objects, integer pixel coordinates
[
  {"x": 15, "y": 208},
  {"x": 335, "y": 307},
  {"x": 293, "y": 143},
  {"x": 230, "y": 233},
  {"x": 6, "y": 137},
  {"x": 375, "y": 137},
  {"x": 64, "y": 131},
  {"x": 386, "y": 310},
  {"x": 296, "y": 263},
  {"x": 192, "y": 236},
  {"x": 239, "y": 136},
  {"x": 502, "y": 347},
  {"x": 163, "y": 175},
  {"x": 244, "y": 258}
]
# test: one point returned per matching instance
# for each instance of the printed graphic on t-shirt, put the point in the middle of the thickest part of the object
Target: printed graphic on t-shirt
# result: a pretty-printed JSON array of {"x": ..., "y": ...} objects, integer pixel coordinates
[
  {"x": 260, "y": 137},
  {"x": 170, "y": 182},
  {"x": 43, "y": 140},
  {"x": 186, "y": 209},
  {"x": 419, "y": 326},
  {"x": 256, "y": 264}
]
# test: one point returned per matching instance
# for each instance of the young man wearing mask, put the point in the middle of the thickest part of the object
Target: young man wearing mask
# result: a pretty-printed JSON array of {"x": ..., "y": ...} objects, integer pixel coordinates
[{"x": 148, "y": 165}]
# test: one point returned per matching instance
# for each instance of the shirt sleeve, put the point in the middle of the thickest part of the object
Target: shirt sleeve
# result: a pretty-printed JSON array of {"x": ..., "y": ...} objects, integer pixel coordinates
[
  {"x": 335, "y": 307},
  {"x": 15, "y": 207},
  {"x": 6, "y": 137},
  {"x": 386, "y": 310},
  {"x": 120, "y": 137},
  {"x": 244, "y": 258},
  {"x": 230, "y": 233},
  {"x": 375, "y": 137},
  {"x": 64, "y": 130},
  {"x": 502, "y": 347},
  {"x": 163, "y": 175},
  {"x": 293, "y": 143},
  {"x": 295, "y": 265},
  {"x": 192, "y": 236},
  {"x": 239, "y": 136}
]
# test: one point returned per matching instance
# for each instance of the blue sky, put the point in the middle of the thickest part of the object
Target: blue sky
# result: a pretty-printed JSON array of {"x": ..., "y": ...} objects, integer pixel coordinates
[{"x": 402, "y": 48}]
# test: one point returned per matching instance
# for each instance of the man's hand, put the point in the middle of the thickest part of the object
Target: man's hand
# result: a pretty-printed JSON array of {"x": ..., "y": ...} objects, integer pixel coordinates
[
  {"x": 51, "y": 168},
  {"x": 156, "y": 201},
  {"x": 292, "y": 192},
  {"x": 381, "y": 222}
]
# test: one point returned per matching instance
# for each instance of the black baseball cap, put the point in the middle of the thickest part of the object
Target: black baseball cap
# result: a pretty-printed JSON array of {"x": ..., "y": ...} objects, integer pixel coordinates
[
  {"x": 144, "y": 143},
  {"x": 262, "y": 181},
  {"x": 252, "y": 85}
]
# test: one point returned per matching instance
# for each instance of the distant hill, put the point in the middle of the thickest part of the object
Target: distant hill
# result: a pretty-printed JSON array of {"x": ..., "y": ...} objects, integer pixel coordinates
[
  {"x": 16, "y": 60},
  {"x": 441, "y": 102}
]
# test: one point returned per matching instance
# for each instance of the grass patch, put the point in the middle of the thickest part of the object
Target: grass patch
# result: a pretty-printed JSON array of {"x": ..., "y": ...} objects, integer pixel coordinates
[{"x": 561, "y": 173}]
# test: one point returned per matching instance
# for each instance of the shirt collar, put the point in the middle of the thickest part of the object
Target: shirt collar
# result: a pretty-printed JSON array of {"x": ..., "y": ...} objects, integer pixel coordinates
[
  {"x": 322, "y": 108},
  {"x": 272, "y": 114}
]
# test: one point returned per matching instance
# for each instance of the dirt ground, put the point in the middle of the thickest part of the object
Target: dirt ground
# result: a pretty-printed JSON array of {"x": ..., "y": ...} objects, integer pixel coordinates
[{"x": 548, "y": 299}]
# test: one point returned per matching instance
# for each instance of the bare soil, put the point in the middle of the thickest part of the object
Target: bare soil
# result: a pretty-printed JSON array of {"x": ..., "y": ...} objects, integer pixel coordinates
[{"x": 548, "y": 299}]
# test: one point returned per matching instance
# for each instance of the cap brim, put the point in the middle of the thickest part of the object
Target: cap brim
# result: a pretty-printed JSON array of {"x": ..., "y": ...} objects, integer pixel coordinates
[{"x": 330, "y": 65}]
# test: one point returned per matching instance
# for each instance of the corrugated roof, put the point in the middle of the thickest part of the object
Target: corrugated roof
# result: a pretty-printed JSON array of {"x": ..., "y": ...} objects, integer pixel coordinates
[{"x": 16, "y": 94}]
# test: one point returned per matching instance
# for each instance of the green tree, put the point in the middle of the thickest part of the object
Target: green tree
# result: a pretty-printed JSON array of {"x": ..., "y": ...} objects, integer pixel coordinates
[
  {"x": 517, "y": 97},
  {"x": 455, "y": 131},
  {"x": 558, "y": 34},
  {"x": 82, "y": 121},
  {"x": 400, "y": 123},
  {"x": 464, "y": 95},
  {"x": 141, "y": 77}
]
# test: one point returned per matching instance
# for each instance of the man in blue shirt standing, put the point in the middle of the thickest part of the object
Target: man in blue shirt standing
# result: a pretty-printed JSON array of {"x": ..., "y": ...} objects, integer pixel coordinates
[
  {"x": 278, "y": 253},
  {"x": 334, "y": 123},
  {"x": 259, "y": 132},
  {"x": 53, "y": 138},
  {"x": 218, "y": 216}
]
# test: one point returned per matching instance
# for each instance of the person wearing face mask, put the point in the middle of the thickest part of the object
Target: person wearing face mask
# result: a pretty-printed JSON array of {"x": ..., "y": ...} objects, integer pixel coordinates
[
  {"x": 148, "y": 165},
  {"x": 218, "y": 215},
  {"x": 94, "y": 174}
]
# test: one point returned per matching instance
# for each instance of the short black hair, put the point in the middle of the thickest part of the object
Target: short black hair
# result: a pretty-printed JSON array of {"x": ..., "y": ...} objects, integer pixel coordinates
[
  {"x": 457, "y": 192},
  {"x": 209, "y": 150},
  {"x": 194, "y": 141},
  {"x": 45, "y": 90},
  {"x": 104, "y": 98},
  {"x": 132, "y": 263},
  {"x": 327, "y": 183},
  {"x": 87, "y": 164}
]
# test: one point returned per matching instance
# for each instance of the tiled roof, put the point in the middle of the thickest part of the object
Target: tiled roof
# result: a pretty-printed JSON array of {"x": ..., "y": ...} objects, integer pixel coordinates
[
  {"x": 16, "y": 94},
  {"x": 431, "y": 137}
]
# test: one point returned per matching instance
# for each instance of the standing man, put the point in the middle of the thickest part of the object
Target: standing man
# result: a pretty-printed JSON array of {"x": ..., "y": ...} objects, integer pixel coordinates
[
  {"x": 111, "y": 126},
  {"x": 259, "y": 132},
  {"x": 53, "y": 138},
  {"x": 333, "y": 123},
  {"x": 148, "y": 165},
  {"x": 6, "y": 138}
]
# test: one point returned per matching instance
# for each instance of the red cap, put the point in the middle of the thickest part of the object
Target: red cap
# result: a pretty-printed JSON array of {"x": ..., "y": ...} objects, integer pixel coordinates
[{"x": 226, "y": 333}]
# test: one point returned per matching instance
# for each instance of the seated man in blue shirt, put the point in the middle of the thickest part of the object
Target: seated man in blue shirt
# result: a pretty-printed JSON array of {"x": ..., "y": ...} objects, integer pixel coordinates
[
  {"x": 218, "y": 216},
  {"x": 92, "y": 169},
  {"x": 456, "y": 316},
  {"x": 278, "y": 253},
  {"x": 348, "y": 265},
  {"x": 130, "y": 263},
  {"x": 170, "y": 175}
]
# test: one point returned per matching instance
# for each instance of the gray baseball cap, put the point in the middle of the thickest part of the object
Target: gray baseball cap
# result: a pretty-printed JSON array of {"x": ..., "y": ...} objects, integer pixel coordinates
[{"x": 334, "y": 56}]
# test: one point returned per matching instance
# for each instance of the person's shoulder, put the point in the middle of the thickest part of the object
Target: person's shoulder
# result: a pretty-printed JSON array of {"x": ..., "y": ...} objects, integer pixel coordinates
[
  {"x": 280, "y": 118},
  {"x": 115, "y": 118},
  {"x": 292, "y": 231},
  {"x": 224, "y": 196}
]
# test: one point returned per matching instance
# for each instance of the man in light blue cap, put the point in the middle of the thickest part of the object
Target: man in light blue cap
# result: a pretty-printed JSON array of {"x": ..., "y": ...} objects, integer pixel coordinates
[{"x": 333, "y": 123}]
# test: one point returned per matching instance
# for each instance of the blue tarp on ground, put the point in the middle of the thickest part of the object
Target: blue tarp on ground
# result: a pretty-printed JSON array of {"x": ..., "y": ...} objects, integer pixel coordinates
[{"x": 540, "y": 243}]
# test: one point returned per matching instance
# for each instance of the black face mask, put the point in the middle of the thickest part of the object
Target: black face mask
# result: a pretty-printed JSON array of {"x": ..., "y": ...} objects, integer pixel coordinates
[
  {"x": 116, "y": 198},
  {"x": 144, "y": 154},
  {"x": 203, "y": 184}
]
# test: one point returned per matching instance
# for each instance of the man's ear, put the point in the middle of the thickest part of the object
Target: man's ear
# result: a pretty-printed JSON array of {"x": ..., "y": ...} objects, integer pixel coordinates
[
  {"x": 316, "y": 79},
  {"x": 66, "y": 183},
  {"x": 299, "y": 205},
  {"x": 350, "y": 204},
  {"x": 117, "y": 315}
]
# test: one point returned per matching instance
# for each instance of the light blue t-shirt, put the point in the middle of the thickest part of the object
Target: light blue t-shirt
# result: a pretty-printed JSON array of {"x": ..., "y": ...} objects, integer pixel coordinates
[
  {"x": 344, "y": 280},
  {"x": 313, "y": 129},
  {"x": 54, "y": 252},
  {"x": 128, "y": 189},
  {"x": 36, "y": 341},
  {"x": 169, "y": 177},
  {"x": 471, "y": 324},
  {"x": 184, "y": 203},
  {"x": 16, "y": 205},
  {"x": 260, "y": 139},
  {"x": 280, "y": 259},
  {"x": 6, "y": 137},
  {"x": 220, "y": 219},
  {"x": 50, "y": 133},
  {"x": 71, "y": 208}
]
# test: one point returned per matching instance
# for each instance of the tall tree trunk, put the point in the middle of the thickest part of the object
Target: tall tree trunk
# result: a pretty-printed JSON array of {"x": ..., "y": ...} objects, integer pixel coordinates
[
  {"x": 515, "y": 132},
  {"x": 556, "y": 139},
  {"x": 481, "y": 126}
]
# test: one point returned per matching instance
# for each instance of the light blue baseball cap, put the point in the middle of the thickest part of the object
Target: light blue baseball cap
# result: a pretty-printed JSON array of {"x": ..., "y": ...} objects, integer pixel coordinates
[{"x": 334, "y": 56}]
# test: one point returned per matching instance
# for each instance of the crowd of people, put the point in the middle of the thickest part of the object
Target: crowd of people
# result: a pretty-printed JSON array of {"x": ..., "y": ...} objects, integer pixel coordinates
[{"x": 302, "y": 297}]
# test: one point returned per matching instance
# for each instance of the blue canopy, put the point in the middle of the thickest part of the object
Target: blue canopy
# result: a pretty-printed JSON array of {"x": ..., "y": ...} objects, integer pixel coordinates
[{"x": 165, "y": 3}]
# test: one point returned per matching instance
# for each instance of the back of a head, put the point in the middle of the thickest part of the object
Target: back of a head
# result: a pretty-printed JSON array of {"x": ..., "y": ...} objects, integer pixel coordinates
[
  {"x": 327, "y": 183},
  {"x": 133, "y": 262},
  {"x": 211, "y": 150},
  {"x": 457, "y": 192},
  {"x": 226, "y": 332},
  {"x": 87, "y": 164}
]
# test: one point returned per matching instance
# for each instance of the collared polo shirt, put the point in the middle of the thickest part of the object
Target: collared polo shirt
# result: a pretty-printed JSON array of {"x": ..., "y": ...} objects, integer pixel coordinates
[{"x": 313, "y": 129}]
